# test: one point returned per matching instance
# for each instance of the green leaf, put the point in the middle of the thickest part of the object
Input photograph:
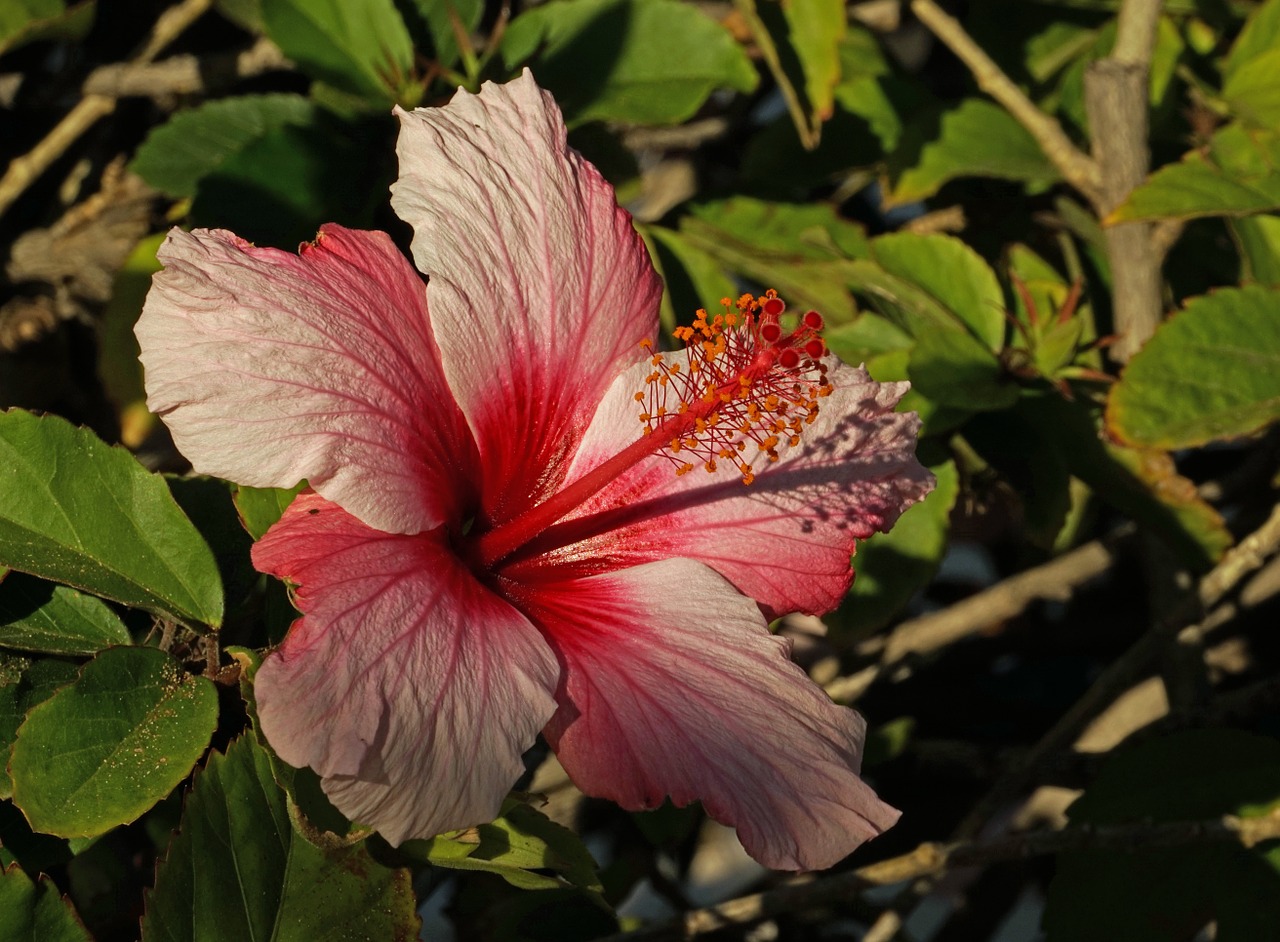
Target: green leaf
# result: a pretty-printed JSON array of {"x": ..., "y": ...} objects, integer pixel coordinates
[
  {"x": 869, "y": 335},
  {"x": 439, "y": 14},
  {"x": 1236, "y": 177},
  {"x": 1261, "y": 34},
  {"x": 23, "y": 684},
  {"x": 891, "y": 567},
  {"x": 19, "y": 14},
  {"x": 952, "y": 274},
  {"x": 39, "y": 616},
  {"x": 1168, "y": 895},
  {"x": 1211, "y": 372},
  {"x": 358, "y": 46},
  {"x": 895, "y": 366},
  {"x": 1165, "y": 59},
  {"x": 178, "y": 154},
  {"x": 1140, "y": 482},
  {"x": 247, "y": 14},
  {"x": 239, "y": 869},
  {"x": 521, "y": 841},
  {"x": 102, "y": 751},
  {"x": 954, "y": 369},
  {"x": 24, "y": 21},
  {"x": 692, "y": 278},
  {"x": 974, "y": 139},
  {"x": 282, "y": 186},
  {"x": 1259, "y": 240},
  {"x": 36, "y": 912},
  {"x": 77, "y": 511},
  {"x": 803, "y": 251},
  {"x": 1056, "y": 46},
  {"x": 1253, "y": 92},
  {"x": 209, "y": 504},
  {"x": 118, "y": 351},
  {"x": 799, "y": 42},
  {"x": 641, "y": 61},
  {"x": 816, "y": 28},
  {"x": 260, "y": 507}
]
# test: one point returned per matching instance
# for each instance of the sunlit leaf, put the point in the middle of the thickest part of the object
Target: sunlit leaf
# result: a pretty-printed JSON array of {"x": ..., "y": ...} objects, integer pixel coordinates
[
  {"x": 1253, "y": 92},
  {"x": 359, "y": 46},
  {"x": 260, "y": 507},
  {"x": 976, "y": 138},
  {"x": 692, "y": 278},
  {"x": 1211, "y": 372},
  {"x": 803, "y": 251},
  {"x": 1236, "y": 176},
  {"x": 53, "y": 619},
  {"x": 1260, "y": 35},
  {"x": 515, "y": 846},
  {"x": 1259, "y": 240},
  {"x": 816, "y": 28},
  {"x": 951, "y": 273},
  {"x": 178, "y": 154},
  {"x": 643, "y": 61},
  {"x": 24, "y": 21},
  {"x": 76, "y": 511},
  {"x": 104, "y": 749}
]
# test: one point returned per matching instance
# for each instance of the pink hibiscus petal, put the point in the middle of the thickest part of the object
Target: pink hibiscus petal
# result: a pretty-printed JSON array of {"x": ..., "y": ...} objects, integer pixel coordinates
[
  {"x": 785, "y": 540},
  {"x": 673, "y": 686},
  {"x": 407, "y": 685},
  {"x": 270, "y": 368},
  {"x": 540, "y": 288}
]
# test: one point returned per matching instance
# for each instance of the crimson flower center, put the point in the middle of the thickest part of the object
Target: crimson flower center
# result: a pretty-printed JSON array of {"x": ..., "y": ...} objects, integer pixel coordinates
[{"x": 744, "y": 390}]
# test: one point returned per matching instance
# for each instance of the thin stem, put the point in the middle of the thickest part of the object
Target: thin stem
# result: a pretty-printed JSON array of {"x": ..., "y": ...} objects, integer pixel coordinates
[
  {"x": 1242, "y": 560},
  {"x": 808, "y": 132},
  {"x": 932, "y": 859},
  {"x": 26, "y": 169},
  {"x": 1075, "y": 166}
]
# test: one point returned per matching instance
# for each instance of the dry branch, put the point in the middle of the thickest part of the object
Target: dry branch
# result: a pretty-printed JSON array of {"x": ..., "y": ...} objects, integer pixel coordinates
[
  {"x": 185, "y": 74},
  {"x": 26, "y": 169},
  {"x": 931, "y": 859},
  {"x": 1120, "y": 675},
  {"x": 1056, "y": 580},
  {"x": 1076, "y": 167}
]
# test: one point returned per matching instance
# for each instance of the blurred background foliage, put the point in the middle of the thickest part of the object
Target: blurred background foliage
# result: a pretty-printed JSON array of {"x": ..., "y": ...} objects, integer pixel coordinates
[{"x": 1067, "y": 653}]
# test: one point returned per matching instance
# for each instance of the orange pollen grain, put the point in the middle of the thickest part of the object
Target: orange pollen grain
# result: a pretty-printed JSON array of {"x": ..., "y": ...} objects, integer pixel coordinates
[{"x": 747, "y": 382}]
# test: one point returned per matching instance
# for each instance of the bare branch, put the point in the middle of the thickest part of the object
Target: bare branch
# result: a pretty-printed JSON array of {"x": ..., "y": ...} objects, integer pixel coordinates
[
  {"x": 932, "y": 859},
  {"x": 24, "y": 170},
  {"x": 185, "y": 74},
  {"x": 1120, "y": 675},
  {"x": 1075, "y": 166},
  {"x": 1057, "y": 580}
]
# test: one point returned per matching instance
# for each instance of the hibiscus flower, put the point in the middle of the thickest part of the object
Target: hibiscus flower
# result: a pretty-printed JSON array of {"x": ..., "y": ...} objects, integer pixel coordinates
[{"x": 522, "y": 519}]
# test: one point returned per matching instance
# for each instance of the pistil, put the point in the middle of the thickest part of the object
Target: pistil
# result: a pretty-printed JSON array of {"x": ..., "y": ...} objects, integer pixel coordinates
[{"x": 742, "y": 384}]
